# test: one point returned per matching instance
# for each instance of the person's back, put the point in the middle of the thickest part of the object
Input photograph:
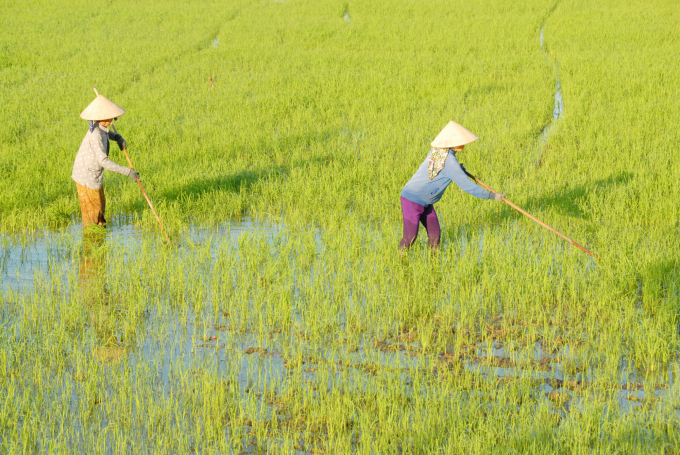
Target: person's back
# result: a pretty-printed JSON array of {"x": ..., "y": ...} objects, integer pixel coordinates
[
  {"x": 426, "y": 191},
  {"x": 430, "y": 181}
]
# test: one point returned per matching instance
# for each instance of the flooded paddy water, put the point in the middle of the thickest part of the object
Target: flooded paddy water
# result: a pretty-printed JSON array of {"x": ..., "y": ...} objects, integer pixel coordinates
[
  {"x": 558, "y": 108},
  {"x": 22, "y": 258},
  {"x": 248, "y": 330}
]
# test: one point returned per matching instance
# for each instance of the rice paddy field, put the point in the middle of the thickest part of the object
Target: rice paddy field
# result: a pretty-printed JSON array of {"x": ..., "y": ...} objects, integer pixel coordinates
[{"x": 274, "y": 138}]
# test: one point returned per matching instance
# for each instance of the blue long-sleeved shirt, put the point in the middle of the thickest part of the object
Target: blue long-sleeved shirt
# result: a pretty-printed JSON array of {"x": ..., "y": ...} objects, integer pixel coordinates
[{"x": 421, "y": 190}]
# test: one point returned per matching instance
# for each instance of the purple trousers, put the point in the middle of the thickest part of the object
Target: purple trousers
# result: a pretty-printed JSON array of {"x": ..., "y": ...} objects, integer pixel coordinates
[{"x": 414, "y": 214}]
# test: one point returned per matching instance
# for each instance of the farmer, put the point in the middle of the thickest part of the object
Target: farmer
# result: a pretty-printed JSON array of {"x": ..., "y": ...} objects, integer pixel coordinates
[
  {"x": 93, "y": 158},
  {"x": 429, "y": 182}
]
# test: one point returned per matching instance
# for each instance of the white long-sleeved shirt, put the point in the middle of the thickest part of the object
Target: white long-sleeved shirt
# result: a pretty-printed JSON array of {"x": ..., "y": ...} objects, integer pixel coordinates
[{"x": 93, "y": 158}]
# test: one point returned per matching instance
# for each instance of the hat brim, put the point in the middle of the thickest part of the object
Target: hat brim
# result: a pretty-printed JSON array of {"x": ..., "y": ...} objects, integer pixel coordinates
[
  {"x": 102, "y": 109},
  {"x": 453, "y": 135}
]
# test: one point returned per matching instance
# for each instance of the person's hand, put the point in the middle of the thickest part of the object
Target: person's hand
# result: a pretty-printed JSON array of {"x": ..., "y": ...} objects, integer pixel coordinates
[
  {"x": 498, "y": 197},
  {"x": 133, "y": 175},
  {"x": 121, "y": 142}
]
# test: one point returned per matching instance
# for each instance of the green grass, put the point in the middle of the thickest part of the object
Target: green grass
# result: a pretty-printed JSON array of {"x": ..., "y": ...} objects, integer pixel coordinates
[{"x": 315, "y": 123}]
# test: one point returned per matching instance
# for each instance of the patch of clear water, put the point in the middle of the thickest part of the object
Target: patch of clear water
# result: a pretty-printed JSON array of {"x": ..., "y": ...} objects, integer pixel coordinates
[
  {"x": 19, "y": 262},
  {"x": 558, "y": 108},
  {"x": 56, "y": 253},
  {"x": 554, "y": 376},
  {"x": 559, "y": 102},
  {"x": 174, "y": 342},
  {"x": 184, "y": 348}
]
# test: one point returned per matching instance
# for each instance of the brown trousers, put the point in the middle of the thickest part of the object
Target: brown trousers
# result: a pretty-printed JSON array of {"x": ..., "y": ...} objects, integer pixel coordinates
[{"x": 92, "y": 205}]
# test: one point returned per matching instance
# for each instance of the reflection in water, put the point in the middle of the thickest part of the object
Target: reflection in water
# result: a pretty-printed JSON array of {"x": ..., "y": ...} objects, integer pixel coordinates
[
  {"x": 94, "y": 296},
  {"x": 55, "y": 253},
  {"x": 184, "y": 337}
]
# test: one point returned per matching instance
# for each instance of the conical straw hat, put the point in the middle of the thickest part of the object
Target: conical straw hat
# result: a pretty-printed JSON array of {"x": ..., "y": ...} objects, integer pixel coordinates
[
  {"x": 453, "y": 135},
  {"x": 101, "y": 109}
]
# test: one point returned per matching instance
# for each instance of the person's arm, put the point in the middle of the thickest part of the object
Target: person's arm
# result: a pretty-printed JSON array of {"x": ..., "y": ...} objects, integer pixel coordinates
[
  {"x": 458, "y": 176},
  {"x": 118, "y": 139},
  {"x": 97, "y": 145}
]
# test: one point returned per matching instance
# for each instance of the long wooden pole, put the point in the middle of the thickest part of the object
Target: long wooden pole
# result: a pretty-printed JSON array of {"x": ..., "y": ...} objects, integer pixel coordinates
[
  {"x": 536, "y": 219},
  {"x": 144, "y": 192}
]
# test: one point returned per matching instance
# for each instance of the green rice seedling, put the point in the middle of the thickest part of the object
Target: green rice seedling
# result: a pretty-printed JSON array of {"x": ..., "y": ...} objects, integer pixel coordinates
[{"x": 274, "y": 138}]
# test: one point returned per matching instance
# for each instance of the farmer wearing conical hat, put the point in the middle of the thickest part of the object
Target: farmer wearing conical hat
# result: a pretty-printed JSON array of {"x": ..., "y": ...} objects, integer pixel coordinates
[
  {"x": 428, "y": 184},
  {"x": 93, "y": 158}
]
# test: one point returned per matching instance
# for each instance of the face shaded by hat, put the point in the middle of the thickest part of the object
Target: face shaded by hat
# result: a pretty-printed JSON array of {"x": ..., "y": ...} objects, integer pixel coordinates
[{"x": 101, "y": 109}]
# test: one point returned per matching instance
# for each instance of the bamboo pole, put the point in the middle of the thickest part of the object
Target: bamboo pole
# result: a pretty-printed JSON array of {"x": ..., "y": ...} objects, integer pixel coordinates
[
  {"x": 144, "y": 192},
  {"x": 536, "y": 219}
]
